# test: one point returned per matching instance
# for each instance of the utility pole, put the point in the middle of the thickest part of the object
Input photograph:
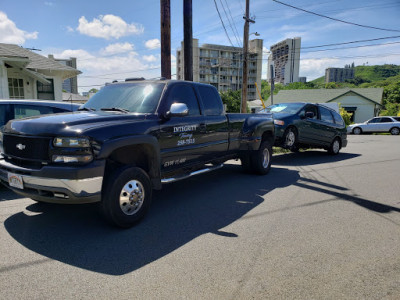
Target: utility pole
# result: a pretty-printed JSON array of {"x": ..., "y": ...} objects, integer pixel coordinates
[
  {"x": 247, "y": 19},
  {"x": 187, "y": 40},
  {"x": 272, "y": 83},
  {"x": 165, "y": 38}
]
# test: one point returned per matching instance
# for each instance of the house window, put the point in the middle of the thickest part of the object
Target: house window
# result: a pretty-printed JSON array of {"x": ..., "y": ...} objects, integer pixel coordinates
[{"x": 16, "y": 88}]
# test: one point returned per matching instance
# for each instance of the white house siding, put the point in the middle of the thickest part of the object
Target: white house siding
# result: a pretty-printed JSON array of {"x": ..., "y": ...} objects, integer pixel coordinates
[
  {"x": 365, "y": 108},
  {"x": 3, "y": 81}
]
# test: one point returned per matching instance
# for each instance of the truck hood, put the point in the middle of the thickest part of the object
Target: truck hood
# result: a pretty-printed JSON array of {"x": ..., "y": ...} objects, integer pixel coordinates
[{"x": 76, "y": 123}]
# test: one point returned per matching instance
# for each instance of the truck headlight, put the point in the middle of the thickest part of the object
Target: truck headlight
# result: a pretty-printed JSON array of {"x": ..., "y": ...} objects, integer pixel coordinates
[
  {"x": 69, "y": 142},
  {"x": 72, "y": 158}
]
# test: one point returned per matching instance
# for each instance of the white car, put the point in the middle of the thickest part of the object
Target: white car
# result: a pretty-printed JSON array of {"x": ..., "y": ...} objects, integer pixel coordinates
[{"x": 377, "y": 124}]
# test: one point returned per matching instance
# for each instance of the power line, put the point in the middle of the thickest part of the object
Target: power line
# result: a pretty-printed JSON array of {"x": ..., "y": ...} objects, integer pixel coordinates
[
  {"x": 334, "y": 19},
  {"x": 352, "y": 42},
  {"x": 362, "y": 46},
  {"x": 223, "y": 25},
  {"x": 230, "y": 24}
]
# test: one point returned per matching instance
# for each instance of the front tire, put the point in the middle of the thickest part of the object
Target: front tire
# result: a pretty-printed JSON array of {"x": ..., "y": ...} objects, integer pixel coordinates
[
  {"x": 290, "y": 139},
  {"x": 126, "y": 197},
  {"x": 261, "y": 159},
  {"x": 334, "y": 147},
  {"x": 394, "y": 131}
]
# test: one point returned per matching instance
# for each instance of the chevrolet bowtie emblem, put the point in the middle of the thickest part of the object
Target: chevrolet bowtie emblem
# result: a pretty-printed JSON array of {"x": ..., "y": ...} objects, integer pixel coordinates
[{"x": 20, "y": 146}]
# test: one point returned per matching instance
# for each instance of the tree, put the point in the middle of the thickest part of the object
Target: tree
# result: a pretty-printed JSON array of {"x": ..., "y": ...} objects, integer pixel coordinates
[
  {"x": 93, "y": 90},
  {"x": 232, "y": 100}
]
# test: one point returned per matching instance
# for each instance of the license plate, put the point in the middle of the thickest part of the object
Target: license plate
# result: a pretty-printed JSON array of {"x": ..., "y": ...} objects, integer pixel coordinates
[{"x": 15, "y": 180}]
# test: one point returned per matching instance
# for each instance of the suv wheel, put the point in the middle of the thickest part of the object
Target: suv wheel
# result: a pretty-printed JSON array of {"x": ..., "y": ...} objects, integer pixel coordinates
[
  {"x": 126, "y": 197},
  {"x": 335, "y": 147},
  {"x": 290, "y": 139}
]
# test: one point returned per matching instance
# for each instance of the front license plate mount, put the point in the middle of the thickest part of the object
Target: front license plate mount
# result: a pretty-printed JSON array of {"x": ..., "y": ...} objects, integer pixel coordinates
[{"x": 16, "y": 181}]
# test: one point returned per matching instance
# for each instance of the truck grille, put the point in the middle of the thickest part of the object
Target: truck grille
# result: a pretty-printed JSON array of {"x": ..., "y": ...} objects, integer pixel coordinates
[{"x": 26, "y": 147}]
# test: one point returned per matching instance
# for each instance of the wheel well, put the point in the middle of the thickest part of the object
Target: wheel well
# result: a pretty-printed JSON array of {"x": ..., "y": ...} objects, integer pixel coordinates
[
  {"x": 268, "y": 136},
  {"x": 394, "y": 127},
  {"x": 141, "y": 156}
]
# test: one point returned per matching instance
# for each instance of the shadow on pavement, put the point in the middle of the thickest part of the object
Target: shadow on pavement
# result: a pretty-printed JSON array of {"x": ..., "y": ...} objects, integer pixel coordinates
[
  {"x": 310, "y": 157},
  {"x": 182, "y": 211},
  {"x": 7, "y": 194}
]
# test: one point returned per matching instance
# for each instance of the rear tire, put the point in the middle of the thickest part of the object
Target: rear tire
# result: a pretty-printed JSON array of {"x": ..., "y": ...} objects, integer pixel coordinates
[
  {"x": 334, "y": 148},
  {"x": 261, "y": 159},
  {"x": 126, "y": 197},
  {"x": 394, "y": 131}
]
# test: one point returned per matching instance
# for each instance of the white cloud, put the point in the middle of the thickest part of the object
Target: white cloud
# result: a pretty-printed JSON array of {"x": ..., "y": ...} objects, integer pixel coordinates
[
  {"x": 48, "y": 3},
  {"x": 150, "y": 58},
  {"x": 98, "y": 68},
  {"x": 153, "y": 44},
  {"x": 314, "y": 68},
  {"x": 70, "y": 29},
  {"x": 107, "y": 27},
  {"x": 117, "y": 48},
  {"x": 9, "y": 33}
]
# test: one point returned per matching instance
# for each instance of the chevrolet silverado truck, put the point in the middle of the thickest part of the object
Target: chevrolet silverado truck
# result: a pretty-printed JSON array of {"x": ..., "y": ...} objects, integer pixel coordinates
[{"x": 127, "y": 140}]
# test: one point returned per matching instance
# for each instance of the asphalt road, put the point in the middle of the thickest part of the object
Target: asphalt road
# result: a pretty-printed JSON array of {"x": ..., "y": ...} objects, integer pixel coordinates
[{"x": 316, "y": 227}]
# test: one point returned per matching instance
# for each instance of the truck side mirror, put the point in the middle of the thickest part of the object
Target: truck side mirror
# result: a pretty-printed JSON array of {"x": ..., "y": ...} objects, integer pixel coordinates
[{"x": 177, "y": 110}]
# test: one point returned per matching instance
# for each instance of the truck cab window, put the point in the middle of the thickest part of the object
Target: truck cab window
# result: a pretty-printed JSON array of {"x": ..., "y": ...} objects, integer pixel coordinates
[{"x": 182, "y": 93}]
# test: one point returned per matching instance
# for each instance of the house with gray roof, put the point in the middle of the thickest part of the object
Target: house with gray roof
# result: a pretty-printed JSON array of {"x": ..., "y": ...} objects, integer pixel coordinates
[
  {"x": 362, "y": 103},
  {"x": 25, "y": 74}
]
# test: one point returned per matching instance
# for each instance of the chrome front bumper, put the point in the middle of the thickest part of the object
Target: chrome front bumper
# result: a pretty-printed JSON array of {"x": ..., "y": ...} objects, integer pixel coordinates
[{"x": 55, "y": 190}]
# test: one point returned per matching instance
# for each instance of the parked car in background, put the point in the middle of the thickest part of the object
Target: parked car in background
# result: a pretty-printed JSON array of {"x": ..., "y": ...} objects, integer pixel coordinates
[
  {"x": 377, "y": 124},
  {"x": 300, "y": 125},
  {"x": 18, "y": 109}
]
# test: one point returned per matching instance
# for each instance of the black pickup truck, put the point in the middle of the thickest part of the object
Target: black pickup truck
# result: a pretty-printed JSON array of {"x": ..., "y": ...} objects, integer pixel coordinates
[{"x": 128, "y": 139}]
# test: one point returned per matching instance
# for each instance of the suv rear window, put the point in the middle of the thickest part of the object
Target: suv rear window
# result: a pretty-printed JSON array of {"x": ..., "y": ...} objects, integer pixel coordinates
[
  {"x": 211, "y": 101},
  {"x": 338, "y": 118}
]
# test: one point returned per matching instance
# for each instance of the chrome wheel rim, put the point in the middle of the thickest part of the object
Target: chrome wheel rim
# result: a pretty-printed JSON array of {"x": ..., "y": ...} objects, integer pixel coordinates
[
  {"x": 336, "y": 146},
  {"x": 265, "y": 158},
  {"x": 394, "y": 131},
  {"x": 131, "y": 197},
  {"x": 290, "y": 139}
]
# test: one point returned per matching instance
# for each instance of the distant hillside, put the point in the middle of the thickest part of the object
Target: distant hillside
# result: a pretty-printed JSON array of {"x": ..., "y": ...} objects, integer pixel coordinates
[{"x": 370, "y": 73}]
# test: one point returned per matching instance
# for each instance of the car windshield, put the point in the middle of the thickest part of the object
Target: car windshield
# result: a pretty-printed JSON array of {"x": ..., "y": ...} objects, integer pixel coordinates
[
  {"x": 136, "y": 98},
  {"x": 287, "y": 108}
]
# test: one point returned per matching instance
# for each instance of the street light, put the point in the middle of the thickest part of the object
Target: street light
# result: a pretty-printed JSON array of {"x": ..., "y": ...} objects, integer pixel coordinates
[{"x": 255, "y": 33}]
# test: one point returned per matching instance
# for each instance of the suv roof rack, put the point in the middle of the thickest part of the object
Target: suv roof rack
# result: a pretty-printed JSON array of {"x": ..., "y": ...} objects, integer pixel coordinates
[{"x": 135, "y": 79}]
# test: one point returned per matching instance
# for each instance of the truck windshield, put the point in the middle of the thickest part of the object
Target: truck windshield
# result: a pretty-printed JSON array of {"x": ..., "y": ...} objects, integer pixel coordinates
[{"x": 136, "y": 98}]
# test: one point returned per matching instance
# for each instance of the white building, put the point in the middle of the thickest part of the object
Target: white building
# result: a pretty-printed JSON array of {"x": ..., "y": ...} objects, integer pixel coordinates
[
  {"x": 27, "y": 75},
  {"x": 222, "y": 66},
  {"x": 285, "y": 59}
]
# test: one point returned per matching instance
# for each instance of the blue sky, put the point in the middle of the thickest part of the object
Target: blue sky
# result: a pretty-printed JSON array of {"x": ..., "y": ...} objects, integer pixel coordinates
[{"x": 120, "y": 39}]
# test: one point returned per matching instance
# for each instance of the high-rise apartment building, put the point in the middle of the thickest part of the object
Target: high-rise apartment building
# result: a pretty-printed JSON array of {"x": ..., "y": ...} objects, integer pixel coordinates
[
  {"x": 285, "y": 59},
  {"x": 338, "y": 74},
  {"x": 71, "y": 84},
  {"x": 222, "y": 66}
]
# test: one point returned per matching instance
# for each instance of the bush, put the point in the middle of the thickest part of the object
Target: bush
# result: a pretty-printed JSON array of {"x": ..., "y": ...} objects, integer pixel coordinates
[{"x": 345, "y": 115}]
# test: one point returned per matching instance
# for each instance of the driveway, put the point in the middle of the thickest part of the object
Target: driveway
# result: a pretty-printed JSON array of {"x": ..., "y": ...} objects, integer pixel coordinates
[{"x": 316, "y": 227}]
